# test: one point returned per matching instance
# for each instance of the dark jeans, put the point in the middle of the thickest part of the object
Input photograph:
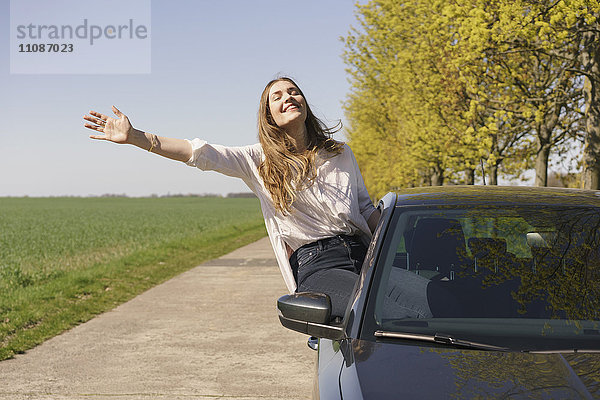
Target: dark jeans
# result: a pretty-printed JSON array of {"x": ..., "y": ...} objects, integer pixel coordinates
[{"x": 329, "y": 266}]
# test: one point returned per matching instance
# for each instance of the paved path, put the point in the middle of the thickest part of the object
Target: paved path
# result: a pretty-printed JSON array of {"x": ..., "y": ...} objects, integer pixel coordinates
[{"x": 209, "y": 333}]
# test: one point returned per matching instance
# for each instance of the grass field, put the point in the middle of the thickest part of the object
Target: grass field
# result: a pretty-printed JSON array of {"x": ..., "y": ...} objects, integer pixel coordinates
[{"x": 64, "y": 260}]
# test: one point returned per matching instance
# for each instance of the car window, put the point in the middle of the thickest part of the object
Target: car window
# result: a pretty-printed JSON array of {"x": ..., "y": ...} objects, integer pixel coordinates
[{"x": 537, "y": 268}]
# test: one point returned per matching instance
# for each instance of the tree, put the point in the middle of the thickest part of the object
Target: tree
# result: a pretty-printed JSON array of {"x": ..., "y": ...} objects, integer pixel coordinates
[
  {"x": 407, "y": 101},
  {"x": 519, "y": 77},
  {"x": 438, "y": 86},
  {"x": 588, "y": 27}
]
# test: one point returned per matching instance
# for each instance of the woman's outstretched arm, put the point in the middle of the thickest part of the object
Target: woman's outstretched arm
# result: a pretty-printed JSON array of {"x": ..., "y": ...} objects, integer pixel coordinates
[{"x": 119, "y": 130}]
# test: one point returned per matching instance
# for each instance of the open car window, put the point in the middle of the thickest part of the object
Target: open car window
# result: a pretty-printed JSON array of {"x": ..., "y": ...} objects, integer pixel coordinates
[{"x": 527, "y": 278}]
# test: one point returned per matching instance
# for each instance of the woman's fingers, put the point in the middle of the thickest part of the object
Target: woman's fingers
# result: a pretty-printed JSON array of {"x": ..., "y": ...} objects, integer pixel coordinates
[
  {"x": 117, "y": 112},
  {"x": 99, "y": 115},
  {"x": 95, "y": 120},
  {"x": 94, "y": 127},
  {"x": 98, "y": 137},
  {"x": 113, "y": 129}
]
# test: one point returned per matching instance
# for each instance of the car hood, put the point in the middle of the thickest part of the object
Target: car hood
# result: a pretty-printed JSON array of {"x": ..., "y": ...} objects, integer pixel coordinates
[{"x": 392, "y": 371}]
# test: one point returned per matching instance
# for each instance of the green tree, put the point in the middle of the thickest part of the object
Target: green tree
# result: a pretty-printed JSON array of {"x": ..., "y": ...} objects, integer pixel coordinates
[
  {"x": 583, "y": 22},
  {"x": 522, "y": 84},
  {"x": 407, "y": 101},
  {"x": 439, "y": 86}
]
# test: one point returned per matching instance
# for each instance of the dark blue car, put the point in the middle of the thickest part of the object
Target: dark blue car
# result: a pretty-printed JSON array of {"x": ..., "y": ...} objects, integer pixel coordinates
[{"x": 467, "y": 292}]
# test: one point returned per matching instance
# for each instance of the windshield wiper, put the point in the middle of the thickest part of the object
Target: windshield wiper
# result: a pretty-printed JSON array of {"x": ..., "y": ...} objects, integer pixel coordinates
[
  {"x": 440, "y": 338},
  {"x": 562, "y": 351}
]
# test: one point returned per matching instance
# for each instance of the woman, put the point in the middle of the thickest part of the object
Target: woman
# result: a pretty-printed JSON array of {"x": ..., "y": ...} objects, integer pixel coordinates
[{"x": 317, "y": 210}]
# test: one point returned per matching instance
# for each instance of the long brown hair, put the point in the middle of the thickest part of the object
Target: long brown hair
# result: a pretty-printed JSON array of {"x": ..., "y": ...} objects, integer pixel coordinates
[{"x": 285, "y": 170}]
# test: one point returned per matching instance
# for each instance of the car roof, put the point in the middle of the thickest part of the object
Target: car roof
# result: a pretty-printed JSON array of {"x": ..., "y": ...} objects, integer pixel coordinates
[{"x": 497, "y": 195}]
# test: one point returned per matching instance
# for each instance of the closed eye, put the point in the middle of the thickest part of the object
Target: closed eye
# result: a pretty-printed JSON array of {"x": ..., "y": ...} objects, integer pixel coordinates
[{"x": 276, "y": 95}]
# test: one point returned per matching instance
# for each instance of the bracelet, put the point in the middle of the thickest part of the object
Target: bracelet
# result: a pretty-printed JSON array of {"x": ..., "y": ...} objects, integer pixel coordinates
[{"x": 153, "y": 140}]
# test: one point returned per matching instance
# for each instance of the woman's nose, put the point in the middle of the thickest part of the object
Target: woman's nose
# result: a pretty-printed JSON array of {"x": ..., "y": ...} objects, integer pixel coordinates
[{"x": 288, "y": 98}]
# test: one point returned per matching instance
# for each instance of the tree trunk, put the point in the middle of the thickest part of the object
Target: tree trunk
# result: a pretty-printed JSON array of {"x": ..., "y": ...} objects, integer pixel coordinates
[
  {"x": 544, "y": 138},
  {"x": 541, "y": 164},
  {"x": 492, "y": 179},
  {"x": 590, "y": 58},
  {"x": 437, "y": 176},
  {"x": 470, "y": 176}
]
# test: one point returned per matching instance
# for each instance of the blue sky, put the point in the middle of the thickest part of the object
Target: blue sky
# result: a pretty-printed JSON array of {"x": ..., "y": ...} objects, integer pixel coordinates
[{"x": 210, "y": 61}]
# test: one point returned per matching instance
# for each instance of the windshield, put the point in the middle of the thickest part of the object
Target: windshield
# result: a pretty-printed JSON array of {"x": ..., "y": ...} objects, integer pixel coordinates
[{"x": 526, "y": 278}]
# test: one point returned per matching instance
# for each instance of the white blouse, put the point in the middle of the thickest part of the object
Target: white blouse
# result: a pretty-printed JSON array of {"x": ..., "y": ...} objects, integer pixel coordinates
[{"x": 336, "y": 203}]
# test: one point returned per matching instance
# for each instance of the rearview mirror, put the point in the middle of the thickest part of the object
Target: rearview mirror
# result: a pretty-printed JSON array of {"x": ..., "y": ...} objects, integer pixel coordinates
[{"x": 308, "y": 313}]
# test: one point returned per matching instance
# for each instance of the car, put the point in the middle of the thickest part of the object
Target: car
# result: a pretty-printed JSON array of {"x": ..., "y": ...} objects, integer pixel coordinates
[{"x": 466, "y": 292}]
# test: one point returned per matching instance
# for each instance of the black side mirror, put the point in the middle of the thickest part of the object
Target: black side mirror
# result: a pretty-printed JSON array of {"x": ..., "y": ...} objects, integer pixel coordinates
[{"x": 309, "y": 313}]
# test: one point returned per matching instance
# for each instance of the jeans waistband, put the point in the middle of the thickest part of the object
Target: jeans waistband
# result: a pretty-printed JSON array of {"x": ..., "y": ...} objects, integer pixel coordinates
[
  {"x": 322, "y": 244},
  {"x": 354, "y": 245}
]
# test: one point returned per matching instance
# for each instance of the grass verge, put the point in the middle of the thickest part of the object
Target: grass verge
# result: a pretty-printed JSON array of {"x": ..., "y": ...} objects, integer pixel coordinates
[{"x": 33, "y": 313}]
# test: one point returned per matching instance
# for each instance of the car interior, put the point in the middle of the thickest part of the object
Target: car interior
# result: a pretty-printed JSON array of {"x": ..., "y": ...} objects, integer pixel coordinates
[{"x": 485, "y": 264}]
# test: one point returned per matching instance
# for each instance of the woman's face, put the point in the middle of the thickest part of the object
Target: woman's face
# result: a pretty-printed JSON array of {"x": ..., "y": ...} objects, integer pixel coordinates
[{"x": 286, "y": 104}]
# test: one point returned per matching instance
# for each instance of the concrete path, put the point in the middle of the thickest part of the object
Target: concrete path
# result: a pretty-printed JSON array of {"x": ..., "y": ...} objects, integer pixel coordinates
[{"x": 209, "y": 333}]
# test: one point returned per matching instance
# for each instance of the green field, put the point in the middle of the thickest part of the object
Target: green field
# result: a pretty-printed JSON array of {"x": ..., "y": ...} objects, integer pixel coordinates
[{"x": 64, "y": 260}]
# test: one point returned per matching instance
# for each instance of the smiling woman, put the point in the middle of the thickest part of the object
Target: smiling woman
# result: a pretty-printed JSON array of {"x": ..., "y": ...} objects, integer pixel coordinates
[
  {"x": 290, "y": 136},
  {"x": 317, "y": 211}
]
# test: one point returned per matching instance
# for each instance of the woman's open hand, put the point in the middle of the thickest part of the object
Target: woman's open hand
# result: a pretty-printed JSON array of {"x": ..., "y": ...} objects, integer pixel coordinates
[
  {"x": 119, "y": 130},
  {"x": 116, "y": 130}
]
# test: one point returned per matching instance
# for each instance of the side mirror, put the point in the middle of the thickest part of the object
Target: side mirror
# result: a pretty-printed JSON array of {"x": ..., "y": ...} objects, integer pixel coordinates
[{"x": 308, "y": 313}]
